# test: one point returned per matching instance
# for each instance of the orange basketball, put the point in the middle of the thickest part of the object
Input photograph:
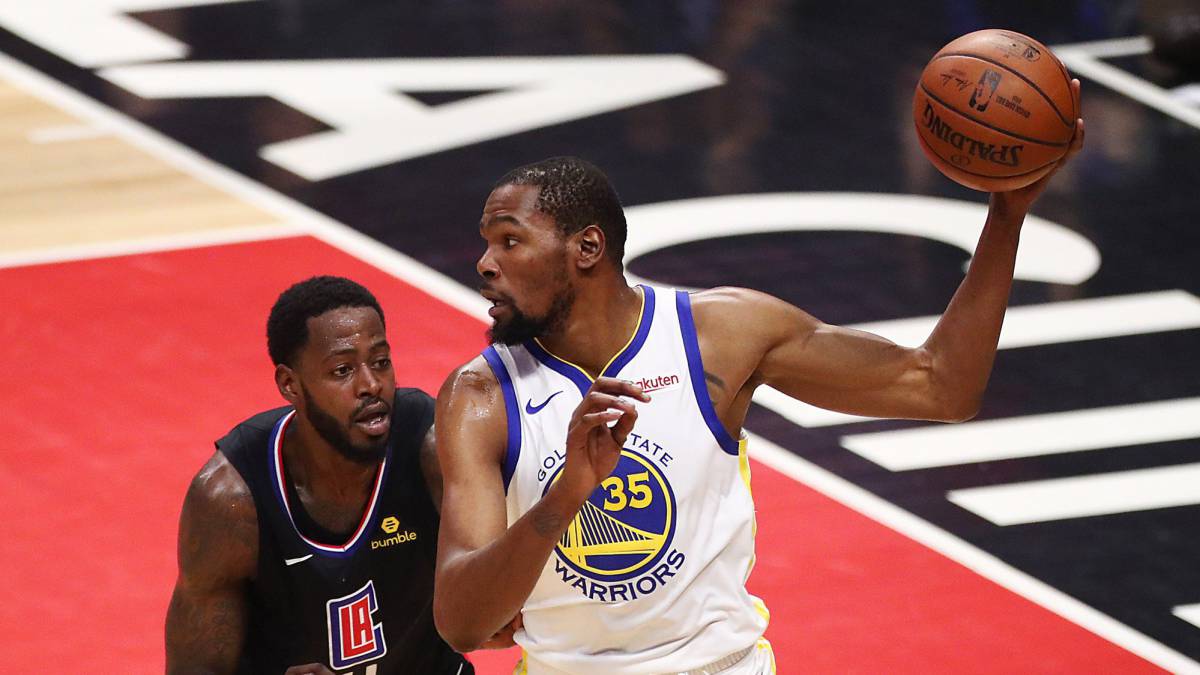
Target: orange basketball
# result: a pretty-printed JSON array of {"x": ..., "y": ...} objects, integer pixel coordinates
[{"x": 994, "y": 110}]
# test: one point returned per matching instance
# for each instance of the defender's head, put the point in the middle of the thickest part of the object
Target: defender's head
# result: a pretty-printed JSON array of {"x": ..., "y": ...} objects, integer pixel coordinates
[
  {"x": 549, "y": 226},
  {"x": 326, "y": 336}
]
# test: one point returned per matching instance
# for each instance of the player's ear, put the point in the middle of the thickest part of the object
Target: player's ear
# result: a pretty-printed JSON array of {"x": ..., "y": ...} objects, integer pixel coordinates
[
  {"x": 288, "y": 383},
  {"x": 591, "y": 243}
]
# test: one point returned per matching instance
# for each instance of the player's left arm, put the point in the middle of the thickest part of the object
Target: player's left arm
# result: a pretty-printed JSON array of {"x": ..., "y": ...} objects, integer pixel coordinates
[{"x": 860, "y": 373}]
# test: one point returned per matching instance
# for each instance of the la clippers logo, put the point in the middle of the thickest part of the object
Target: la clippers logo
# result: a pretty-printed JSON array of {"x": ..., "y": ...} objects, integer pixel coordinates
[{"x": 353, "y": 635}]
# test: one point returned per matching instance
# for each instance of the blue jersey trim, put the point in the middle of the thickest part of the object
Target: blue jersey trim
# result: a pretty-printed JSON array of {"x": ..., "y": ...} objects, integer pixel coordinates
[
  {"x": 639, "y": 339},
  {"x": 512, "y": 413},
  {"x": 582, "y": 381},
  {"x": 691, "y": 347}
]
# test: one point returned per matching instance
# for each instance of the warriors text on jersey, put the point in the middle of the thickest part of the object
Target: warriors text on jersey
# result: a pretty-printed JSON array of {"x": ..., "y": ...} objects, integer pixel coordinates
[
  {"x": 650, "y": 576},
  {"x": 360, "y": 602}
]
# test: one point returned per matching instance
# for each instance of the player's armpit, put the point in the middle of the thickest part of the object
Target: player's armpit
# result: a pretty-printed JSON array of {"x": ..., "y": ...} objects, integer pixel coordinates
[{"x": 218, "y": 550}]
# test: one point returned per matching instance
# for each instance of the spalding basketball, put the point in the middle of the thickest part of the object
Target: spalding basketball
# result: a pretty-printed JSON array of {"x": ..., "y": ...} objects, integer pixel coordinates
[{"x": 994, "y": 110}]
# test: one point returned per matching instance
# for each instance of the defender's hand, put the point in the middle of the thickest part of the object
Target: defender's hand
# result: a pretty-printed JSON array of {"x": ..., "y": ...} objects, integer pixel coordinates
[
  {"x": 593, "y": 447},
  {"x": 1018, "y": 201},
  {"x": 503, "y": 639}
]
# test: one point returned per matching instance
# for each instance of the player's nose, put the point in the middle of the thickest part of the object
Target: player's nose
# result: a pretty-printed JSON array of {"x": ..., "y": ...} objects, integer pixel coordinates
[{"x": 486, "y": 265}]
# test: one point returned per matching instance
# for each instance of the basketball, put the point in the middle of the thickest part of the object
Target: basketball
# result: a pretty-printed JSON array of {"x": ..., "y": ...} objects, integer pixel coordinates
[{"x": 994, "y": 110}]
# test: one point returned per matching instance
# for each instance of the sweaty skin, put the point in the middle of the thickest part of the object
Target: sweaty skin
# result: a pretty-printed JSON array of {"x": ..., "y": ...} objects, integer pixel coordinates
[{"x": 487, "y": 569}]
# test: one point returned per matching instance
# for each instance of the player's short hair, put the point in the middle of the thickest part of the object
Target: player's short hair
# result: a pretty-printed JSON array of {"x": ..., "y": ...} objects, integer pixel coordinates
[
  {"x": 287, "y": 326},
  {"x": 575, "y": 193}
]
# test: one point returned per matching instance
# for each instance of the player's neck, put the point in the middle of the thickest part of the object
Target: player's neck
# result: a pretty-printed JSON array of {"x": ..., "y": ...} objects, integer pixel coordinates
[
  {"x": 600, "y": 324},
  {"x": 316, "y": 468}
]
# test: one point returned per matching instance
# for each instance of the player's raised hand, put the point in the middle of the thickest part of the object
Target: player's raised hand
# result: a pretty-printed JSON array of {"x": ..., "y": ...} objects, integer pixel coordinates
[
  {"x": 593, "y": 446},
  {"x": 1021, "y": 199}
]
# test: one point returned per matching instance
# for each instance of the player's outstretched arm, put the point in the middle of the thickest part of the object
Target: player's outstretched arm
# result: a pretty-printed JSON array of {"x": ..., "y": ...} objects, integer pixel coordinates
[
  {"x": 218, "y": 553},
  {"x": 860, "y": 373},
  {"x": 486, "y": 570}
]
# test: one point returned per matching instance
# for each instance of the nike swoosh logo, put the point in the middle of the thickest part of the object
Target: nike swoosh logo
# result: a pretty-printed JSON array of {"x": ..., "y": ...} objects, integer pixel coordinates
[
  {"x": 292, "y": 561},
  {"x": 535, "y": 409}
]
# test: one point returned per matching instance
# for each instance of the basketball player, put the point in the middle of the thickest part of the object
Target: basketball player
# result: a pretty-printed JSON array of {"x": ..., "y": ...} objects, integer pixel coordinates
[
  {"x": 595, "y": 474},
  {"x": 309, "y": 536}
]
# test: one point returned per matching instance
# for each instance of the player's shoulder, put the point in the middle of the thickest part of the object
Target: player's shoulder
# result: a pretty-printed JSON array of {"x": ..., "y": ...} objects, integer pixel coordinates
[
  {"x": 726, "y": 303},
  {"x": 218, "y": 529},
  {"x": 747, "y": 318},
  {"x": 252, "y": 431},
  {"x": 220, "y": 493},
  {"x": 471, "y": 380}
]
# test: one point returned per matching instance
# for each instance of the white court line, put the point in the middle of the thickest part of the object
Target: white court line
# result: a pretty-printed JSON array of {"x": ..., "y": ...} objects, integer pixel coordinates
[
  {"x": 289, "y": 211},
  {"x": 1083, "y": 496},
  {"x": 132, "y": 246},
  {"x": 457, "y": 295},
  {"x": 1189, "y": 613},
  {"x": 974, "y": 559},
  {"x": 1084, "y": 59},
  {"x": 1029, "y": 435},
  {"x": 1024, "y": 326}
]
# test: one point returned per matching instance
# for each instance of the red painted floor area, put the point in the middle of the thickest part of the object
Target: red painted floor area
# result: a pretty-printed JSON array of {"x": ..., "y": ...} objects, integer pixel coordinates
[{"x": 118, "y": 373}]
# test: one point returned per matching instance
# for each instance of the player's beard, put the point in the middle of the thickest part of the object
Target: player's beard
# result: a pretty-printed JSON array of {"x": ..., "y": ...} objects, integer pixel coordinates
[
  {"x": 521, "y": 327},
  {"x": 337, "y": 435}
]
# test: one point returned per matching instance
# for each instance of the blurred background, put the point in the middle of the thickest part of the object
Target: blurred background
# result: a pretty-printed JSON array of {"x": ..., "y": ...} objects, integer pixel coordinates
[{"x": 168, "y": 166}]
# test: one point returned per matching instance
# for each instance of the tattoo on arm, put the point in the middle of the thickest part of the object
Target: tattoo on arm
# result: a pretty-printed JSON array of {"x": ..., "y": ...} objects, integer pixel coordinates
[
  {"x": 218, "y": 553},
  {"x": 713, "y": 379}
]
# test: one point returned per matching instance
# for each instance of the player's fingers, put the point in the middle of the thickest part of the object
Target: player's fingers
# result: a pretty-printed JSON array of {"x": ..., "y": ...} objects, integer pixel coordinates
[
  {"x": 1076, "y": 89},
  {"x": 624, "y": 425},
  {"x": 611, "y": 385},
  {"x": 1076, "y": 141},
  {"x": 600, "y": 401},
  {"x": 587, "y": 422},
  {"x": 503, "y": 639}
]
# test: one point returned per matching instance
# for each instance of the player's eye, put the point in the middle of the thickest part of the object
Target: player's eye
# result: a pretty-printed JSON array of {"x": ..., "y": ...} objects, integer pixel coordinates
[
  {"x": 342, "y": 370},
  {"x": 510, "y": 242},
  {"x": 385, "y": 362}
]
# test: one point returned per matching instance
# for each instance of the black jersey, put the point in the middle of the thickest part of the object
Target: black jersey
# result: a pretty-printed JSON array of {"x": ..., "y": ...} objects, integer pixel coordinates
[{"x": 361, "y": 602}]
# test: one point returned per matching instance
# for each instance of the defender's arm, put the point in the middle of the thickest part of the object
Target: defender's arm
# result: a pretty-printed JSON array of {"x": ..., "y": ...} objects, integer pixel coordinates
[{"x": 218, "y": 552}]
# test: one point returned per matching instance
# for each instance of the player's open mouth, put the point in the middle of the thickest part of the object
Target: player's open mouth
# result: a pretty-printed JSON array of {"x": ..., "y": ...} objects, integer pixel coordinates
[{"x": 374, "y": 421}]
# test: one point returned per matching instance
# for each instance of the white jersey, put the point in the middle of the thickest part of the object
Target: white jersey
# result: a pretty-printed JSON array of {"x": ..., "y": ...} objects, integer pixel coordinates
[{"x": 650, "y": 576}]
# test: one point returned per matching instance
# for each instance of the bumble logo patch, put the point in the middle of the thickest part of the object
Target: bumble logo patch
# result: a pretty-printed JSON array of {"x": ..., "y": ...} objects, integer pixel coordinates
[{"x": 391, "y": 526}]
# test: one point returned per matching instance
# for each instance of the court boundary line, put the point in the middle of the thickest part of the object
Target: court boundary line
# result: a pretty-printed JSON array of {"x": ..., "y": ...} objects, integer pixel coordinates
[
  {"x": 966, "y": 554},
  {"x": 134, "y": 245},
  {"x": 442, "y": 287}
]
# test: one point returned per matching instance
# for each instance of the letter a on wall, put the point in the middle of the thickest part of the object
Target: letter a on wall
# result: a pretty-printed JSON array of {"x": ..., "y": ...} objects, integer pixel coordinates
[{"x": 374, "y": 123}]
